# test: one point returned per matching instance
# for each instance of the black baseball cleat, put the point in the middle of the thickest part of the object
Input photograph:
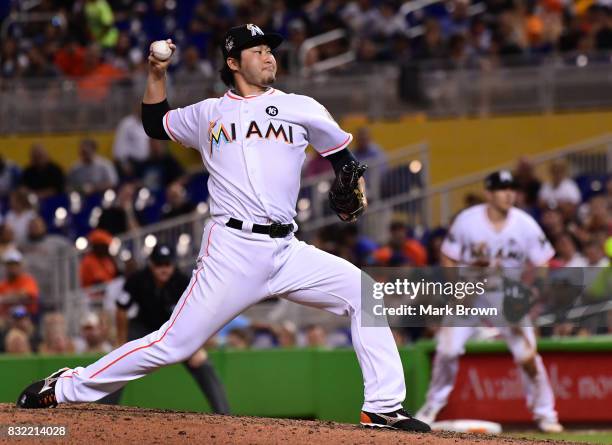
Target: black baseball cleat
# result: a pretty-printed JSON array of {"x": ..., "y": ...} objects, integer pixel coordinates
[
  {"x": 396, "y": 420},
  {"x": 40, "y": 394}
]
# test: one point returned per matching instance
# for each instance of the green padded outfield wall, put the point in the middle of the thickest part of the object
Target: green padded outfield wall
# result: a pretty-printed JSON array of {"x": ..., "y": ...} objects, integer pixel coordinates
[{"x": 304, "y": 383}]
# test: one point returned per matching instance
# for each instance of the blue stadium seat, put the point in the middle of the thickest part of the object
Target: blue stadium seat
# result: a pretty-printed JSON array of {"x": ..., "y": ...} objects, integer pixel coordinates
[
  {"x": 48, "y": 206},
  {"x": 591, "y": 185}
]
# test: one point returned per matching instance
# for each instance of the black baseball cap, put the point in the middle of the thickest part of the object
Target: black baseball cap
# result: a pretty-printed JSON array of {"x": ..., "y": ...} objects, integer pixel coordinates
[
  {"x": 500, "y": 180},
  {"x": 247, "y": 36},
  {"x": 162, "y": 255}
]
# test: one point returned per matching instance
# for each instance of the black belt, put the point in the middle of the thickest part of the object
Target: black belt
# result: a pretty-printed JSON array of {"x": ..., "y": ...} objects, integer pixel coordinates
[{"x": 275, "y": 230}]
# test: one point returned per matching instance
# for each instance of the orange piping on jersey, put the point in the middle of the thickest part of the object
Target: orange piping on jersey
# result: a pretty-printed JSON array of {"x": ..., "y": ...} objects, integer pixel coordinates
[
  {"x": 209, "y": 235},
  {"x": 251, "y": 96},
  {"x": 346, "y": 141},
  {"x": 169, "y": 129},
  {"x": 163, "y": 335}
]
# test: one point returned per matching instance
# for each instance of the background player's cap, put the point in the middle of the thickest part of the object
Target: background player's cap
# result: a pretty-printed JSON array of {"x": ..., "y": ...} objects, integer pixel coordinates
[
  {"x": 162, "y": 255},
  {"x": 500, "y": 180},
  {"x": 247, "y": 36}
]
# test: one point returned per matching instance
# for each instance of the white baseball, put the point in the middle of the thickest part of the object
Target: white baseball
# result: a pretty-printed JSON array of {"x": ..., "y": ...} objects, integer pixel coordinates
[{"x": 161, "y": 50}]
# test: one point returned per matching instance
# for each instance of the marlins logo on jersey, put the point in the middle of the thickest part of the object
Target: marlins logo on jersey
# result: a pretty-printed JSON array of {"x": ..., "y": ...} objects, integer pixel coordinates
[
  {"x": 473, "y": 240},
  {"x": 220, "y": 133}
]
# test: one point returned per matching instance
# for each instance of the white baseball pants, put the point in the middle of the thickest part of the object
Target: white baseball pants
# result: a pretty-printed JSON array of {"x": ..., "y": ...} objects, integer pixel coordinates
[
  {"x": 236, "y": 270},
  {"x": 522, "y": 343}
]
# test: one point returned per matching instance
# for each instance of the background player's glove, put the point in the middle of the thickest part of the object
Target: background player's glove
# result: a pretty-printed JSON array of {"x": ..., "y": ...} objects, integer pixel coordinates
[
  {"x": 517, "y": 300},
  {"x": 345, "y": 197}
]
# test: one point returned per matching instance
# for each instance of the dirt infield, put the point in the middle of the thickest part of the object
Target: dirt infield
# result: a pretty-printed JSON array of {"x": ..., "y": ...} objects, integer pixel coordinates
[{"x": 91, "y": 424}]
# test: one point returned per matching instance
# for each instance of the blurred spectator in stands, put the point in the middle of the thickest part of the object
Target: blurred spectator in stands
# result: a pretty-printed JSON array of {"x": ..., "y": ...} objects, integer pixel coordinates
[
  {"x": 288, "y": 54},
  {"x": 16, "y": 342},
  {"x": 552, "y": 224},
  {"x": 92, "y": 338},
  {"x": 121, "y": 216},
  {"x": 458, "y": 22},
  {"x": 101, "y": 22},
  {"x": 43, "y": 176},
  {"x": 527, "y": 181},
  {"x": 95, "y": 86},
  {"x": 368, "y": 152},
  {"x": 20, "y": 320},
  {"x": 38, "y": 67},
  {"x": 401, "y": 248},
  {"x": 177, "y": 203},
  {"x": 286, "y": 333},
  {"x": 595, "y": 255},
  {"x": 238, "y": 339},
  {"x": 131, "y": 144},
  {"x": 316, "y": 337},
  {"x": 70, "y": 58},
  {"x": 359, "y": 16},
  {"x": 431, "y": 45},
  {"x": 9, "y": 176},
  {"x": 20, "y": 214},
  {"x": 568, "y": 254},
  {"x": 18, "y": 287},
  {"x": 97, "y": 265},
  {"x": 603, "y": 32},
  {"x": 55, "y": 338},
  {"x": 93, "y": 173},
  {"x": 161, "y": 168},
  {"x": 41, "y": 252},
  {"x": 434, "y": 244},
  {"x": 359, "y": 247},
  {"x": 9, "y": 54},
  {"x": 596, "y": 215},
  {"x": 193, "y": 69},
  {"x": 562, "y": 190},
  {"x": 7, "y": 239},
  {"x": 126, "y": 57}
]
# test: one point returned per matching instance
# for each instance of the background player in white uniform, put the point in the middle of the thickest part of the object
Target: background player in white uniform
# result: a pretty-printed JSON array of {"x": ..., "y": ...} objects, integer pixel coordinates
[
  {"x": 495, "y": 234},
  {"x": 252, "y": 142}
]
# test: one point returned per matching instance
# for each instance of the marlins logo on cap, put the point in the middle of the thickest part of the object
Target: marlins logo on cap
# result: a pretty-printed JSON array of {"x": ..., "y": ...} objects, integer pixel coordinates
[
  {"x": 247, "y": 36},
  {"x": 229, "y": 44},
  {"x": 500, "y": 180}
]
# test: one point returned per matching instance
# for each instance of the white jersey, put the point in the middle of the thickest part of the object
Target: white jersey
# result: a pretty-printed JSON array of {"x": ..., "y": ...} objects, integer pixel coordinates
[
  {"x": 473, "y": 238},
  {"x": 253, "y": 148}
]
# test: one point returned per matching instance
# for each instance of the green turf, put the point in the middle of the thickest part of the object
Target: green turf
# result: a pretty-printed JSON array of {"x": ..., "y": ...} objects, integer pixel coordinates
[{"x": 604, "y": 437}]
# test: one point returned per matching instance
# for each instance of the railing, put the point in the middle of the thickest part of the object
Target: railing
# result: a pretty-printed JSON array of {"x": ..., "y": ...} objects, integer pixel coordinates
[
  {"x": 514, "y": 84},
  {"x": 330, "y": 63},
  {"x": 435, "y": 205},
  {"x": 556, "y": 83}
]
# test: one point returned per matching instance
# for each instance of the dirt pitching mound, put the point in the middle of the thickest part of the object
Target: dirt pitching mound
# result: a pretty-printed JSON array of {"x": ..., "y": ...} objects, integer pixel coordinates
[{"x": 91, "y": 424}]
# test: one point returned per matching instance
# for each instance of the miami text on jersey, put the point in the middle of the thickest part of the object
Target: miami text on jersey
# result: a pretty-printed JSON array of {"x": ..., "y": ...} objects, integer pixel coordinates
[{"x": 219, "y": 133}]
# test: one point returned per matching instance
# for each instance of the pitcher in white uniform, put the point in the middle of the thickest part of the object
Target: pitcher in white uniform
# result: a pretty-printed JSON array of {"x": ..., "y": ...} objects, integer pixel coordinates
[
  {"x": 252, "y": 142},
  {"x": 495, "y": 234}
]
